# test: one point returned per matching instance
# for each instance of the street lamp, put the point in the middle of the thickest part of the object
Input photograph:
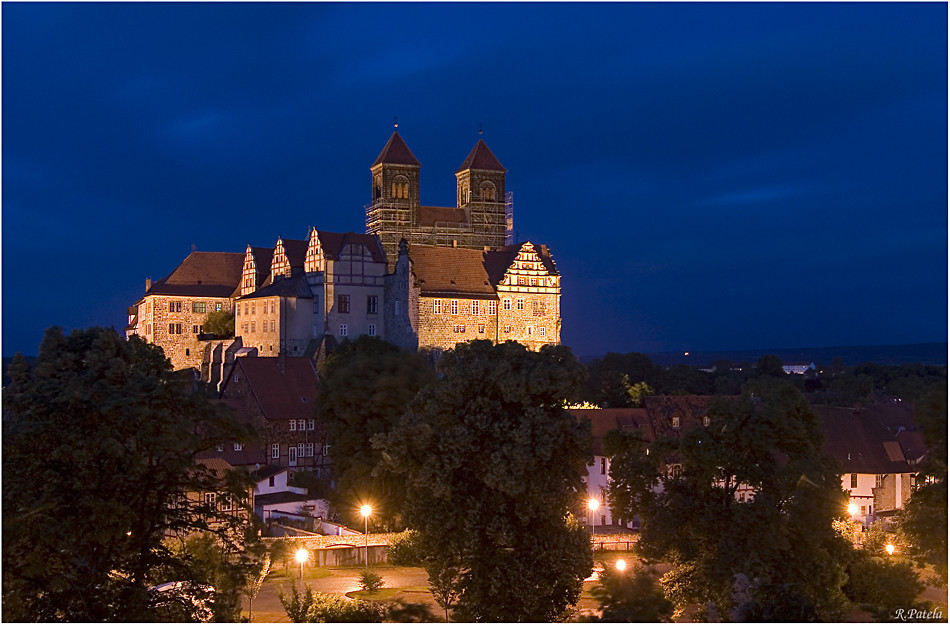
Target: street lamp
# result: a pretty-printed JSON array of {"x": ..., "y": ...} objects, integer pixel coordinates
[
  {"x": 302, "y": 556},
  {"x": 592, "y": 505},
  {"x": 889, "y": 549},
  {"x": 852, "y": 509},
  {"x": 366, "y": 510},
  {"x": 621, "y": 565}
]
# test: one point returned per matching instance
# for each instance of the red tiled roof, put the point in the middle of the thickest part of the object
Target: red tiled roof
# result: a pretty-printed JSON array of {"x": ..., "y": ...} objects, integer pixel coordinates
[
  {"x": 202, "y": 274},
  {"x": 429, "y": 216},
  {"x": 449, "y": 270},
  {"x": 603, "y": 420},
  {"x": 333, "y": 243},
  {"x": 287, "y": 394},
  {"x": 481, "y": 158},
  {"x": 859, "y": 443},
  {"x": 396, "y": 152}
]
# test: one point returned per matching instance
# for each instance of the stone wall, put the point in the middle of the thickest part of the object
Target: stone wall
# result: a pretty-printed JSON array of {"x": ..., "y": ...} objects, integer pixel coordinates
[{"x": 171, "y": 322}]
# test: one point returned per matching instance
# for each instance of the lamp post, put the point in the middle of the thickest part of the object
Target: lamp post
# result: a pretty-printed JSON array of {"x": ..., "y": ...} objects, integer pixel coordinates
[
  {"x": 302, "y": 556},
  {"x": 621, "y": 565},
  {"x": 592, "y": 505},
  {"x": 366, "y": 510},
  {"x": 889, "y": 549}
]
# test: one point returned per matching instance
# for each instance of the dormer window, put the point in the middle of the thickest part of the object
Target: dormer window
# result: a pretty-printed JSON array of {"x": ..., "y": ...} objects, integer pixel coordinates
[{"x": 676, "y": 423}]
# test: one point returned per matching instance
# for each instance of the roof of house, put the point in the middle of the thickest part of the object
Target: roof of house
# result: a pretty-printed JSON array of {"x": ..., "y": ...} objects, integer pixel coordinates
[
  {"x": 271, "y": 499},
  {"x": 333, "y": 244},
  {"x": 859, "y": 443},
  {"x": 662, "y": 408},
  {"x": 284, "y": 390},
  {"x": 268, "y": 471},
  {"x": 481, "y": 157},
  {"x": 603, "y": 420},
  {"x": 296, "y": 251},
  {"x": 449, "y": 270},
  {"x": 218, "y": 466},
  {"x": 202, "y": 274},
  {"x": 294, "y": 286},
  {"x": 430, "y": 216},
  {"x": 912, "y": 444},
  {"x": 499, "y": 260},
  {"x": 396, "y": 152}
]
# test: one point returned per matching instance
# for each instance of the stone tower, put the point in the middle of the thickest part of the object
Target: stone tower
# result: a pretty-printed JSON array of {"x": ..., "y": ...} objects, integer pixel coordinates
[
  {"x": 480, "y": 190},
  {"x": 394, "y": 209}
]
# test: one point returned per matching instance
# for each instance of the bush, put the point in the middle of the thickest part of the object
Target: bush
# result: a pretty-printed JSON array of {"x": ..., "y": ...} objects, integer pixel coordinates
[
  {"x": 632, "y": 596},
  {"x": 404, "y": 549},
  {"x": 881, "y": 584},
  {"x": 335, "y": 609},
  {"x": 370, "y": 580}
]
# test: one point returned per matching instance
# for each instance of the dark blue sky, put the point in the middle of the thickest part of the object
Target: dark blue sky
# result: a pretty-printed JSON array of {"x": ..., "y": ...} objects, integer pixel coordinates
[{"x": 707, "y": 176}]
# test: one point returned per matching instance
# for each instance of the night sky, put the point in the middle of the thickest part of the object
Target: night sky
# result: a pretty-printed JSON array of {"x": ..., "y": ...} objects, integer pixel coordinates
[{"x": 707, "y": 176}]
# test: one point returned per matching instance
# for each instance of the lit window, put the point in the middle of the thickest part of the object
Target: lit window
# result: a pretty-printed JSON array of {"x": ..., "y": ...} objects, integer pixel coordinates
[
  {"x": 474, "y": 306},
  {"x": 253, "y": 304},
  {"x": 492, "y": 307},
  {"x": 506, "y": 304},
  {"x": 676, "y": 422},
  {"x": 209, "y": 499},
  {"x": 198, "y": 307},
  {"x": 454, "y": 304},
  {"x": 481, "y": 328},
  {"x": 272, "y": 307},
  {"x": 437, "y": 307},
  {"x": 520, "y": 303},
  {"x": 541, "y": 331}
]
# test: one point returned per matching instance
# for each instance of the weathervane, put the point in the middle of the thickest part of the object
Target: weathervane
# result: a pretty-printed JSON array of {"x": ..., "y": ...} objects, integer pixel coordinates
[{"x": 479, "y": 129}]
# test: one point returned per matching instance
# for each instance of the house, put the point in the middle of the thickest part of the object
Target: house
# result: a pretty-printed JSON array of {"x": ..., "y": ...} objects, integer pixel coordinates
[
  {"x": 603, "y": 420},
  {"x": 221, "y": 500},
  {"x": 278, "y": 396},
  {"x": 876, "y": 474},
  {"x": 798, "y": 368}
]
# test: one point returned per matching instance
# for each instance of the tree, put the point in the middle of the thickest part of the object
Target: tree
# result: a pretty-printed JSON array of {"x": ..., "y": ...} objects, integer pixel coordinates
[
  {"x": 365, "y": 386},
  {"x": 923, "y": 521},
  {"x": 770, "y": 365},
  {"x": 220, "y": 323},
  {"x": 99, "y": 441},
  {"x": 254, "y": 585},
  {"x": 631, "y": 596},
  {"x": 783, "y": 539},
  {"x": 493, "y": 465}
]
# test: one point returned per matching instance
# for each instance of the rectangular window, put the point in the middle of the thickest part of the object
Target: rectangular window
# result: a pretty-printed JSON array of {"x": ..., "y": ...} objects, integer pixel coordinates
[
  {"x": 253, "y": 304},
  {"x": 270, "y": 481},
  {"x": 530, "y": 330},
  {"x": 520, "y": 303},
  {"x": 534, "y": 282},
  {"x": 521, "y": 281},
  {"x": 396, "y": 307},
  {"x": 237, "y": 310},
  {"x": 538, "y": 308},
  {"x": 454, "y": 306},
  {"x": 209, "y": 499},
  {"x": 507, "y": 329},
  {"x": 878, "y": 481},
  {"x": 311, "y": 423},
  {"x": 541, "y": 331},
  {"x": 342, "y": 329},
  {"x": 245, "y": 308},
  {"x": 506, "y": 304},
  {"x": 301, "y": 424},
  {"x": 493, "y": 307},
  {"x": 194, "y": 329},
  {"x": 293, "y": 425},
  {"x": 310, "y": 450},
  {"x": 372, "y": 304},
  {"x": 272, "y": 307},
  {"x": 343, "y": 304},
  {"x": 174, "y": 306},
  {"x": 676, "y": 422},
  {"x": 474, "y": 306},
  {"x": 437, "y": 307},
  {"x": 217, "y": 306},
  {"x": 238, "y": 446},
  {"x": 275, "y": 451},
  {"x": 481, "y": 328},
  {"x": 272, "y": 325},
  {"x": 854, "y": 480},
  {"x": 198, "y": 307},
  {"x": 225, "y": 501},
  {"x": 325, "y": 451},
  {"x": 372, "y": 329},
  {"x": 253, "y": 327}
]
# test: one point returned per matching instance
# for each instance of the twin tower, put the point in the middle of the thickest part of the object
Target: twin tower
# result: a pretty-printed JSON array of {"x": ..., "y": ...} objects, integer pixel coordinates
[{"x": 482, "y": 217}]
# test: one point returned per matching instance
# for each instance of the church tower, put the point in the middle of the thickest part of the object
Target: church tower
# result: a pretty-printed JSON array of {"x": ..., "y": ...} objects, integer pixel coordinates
[
  {"x": 480, "y": 189},
  {"x": 394, "y": 210}
]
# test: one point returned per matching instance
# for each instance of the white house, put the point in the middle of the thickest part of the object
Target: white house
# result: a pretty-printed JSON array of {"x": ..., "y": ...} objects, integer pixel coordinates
[{"x": 798, "y": 368}]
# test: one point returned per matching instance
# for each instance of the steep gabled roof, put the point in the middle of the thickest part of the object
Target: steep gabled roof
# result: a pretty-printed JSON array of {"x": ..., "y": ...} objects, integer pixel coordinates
[
  {"x": 285, "y": 390},
  {"x": 481, "y": 158},
  {"x": 449, "y": 270},
  {"x": 202, "y": 274},
  {"x": 499, "y": 260},
  {"x": 295, "y": 251},
  {"x": 295, "y": 286},
  {"x": 429, "y": 216},
  {"x": 396, "y": 152},
  {"x": 860, "y": 444},
  {"x": 333, "y": 244},
  {"x": 603, "y": 420}
]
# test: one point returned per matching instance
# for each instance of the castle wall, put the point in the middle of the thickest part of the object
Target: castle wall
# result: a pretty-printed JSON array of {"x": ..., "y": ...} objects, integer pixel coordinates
[{"x": 174, "y": 322}]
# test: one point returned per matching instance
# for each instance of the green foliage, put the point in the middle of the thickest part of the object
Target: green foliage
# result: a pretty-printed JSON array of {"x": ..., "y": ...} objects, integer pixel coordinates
[
  {"x": 923, "y": 521},
  {"x": 631, "y": 596},
  {"x": 327, "y": 608},
  {"x": 220, "y": 323},
  {"x": 493, "y": 465},
  {"x": 783, "y": 538},
  {"x": 297, "y": 605},
  {"x": 99, "y": 441},
  {"x": 881, "y": 583},
  {"x": 771, "y": 365},
  {"x": 370, "y": 580},
  {"x": 365, "y": 386},
  {"x": 404, "y": 549}
]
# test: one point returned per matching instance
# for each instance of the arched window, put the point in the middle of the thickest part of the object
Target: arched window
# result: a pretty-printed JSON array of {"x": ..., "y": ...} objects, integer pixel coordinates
[
  {"x": 486, "y": 191},
  {"x": 400, "y": 188}
]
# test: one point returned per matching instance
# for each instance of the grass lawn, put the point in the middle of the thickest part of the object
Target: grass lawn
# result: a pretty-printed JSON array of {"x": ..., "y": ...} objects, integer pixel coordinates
[{"x": 293, "y": 574}]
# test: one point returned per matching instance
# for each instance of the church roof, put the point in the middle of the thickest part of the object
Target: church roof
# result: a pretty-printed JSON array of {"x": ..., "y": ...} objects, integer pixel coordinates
[
  {"x": 449, "y": 270},
  {"x": 396, "y": 152},
  {"x": 429, "y": 216},
  {"x": 202, "y": 274},
  {"x": 481, "y": 158}
]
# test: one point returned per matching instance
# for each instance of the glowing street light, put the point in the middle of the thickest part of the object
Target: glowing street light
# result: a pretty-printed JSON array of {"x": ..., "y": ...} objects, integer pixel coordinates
[
  {"x": 852, "y": 509},
  {"x": 366, "y": 511},
  {"x": 302, "y": 556},
  {"x": 889, "y": 549},
  {"x": 592, "y": 505},
  {"x": 621, "y": 565}
]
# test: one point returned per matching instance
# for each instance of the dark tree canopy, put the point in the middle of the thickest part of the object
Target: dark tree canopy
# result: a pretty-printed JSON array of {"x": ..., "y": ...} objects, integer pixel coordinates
[
  {"x": 783, "y": 538},
  {"x": 365, "y": 387},
  {"x": 493, "y": 466},
  {"x": 220, "y": 323},
  {"x": 99, "y": 440}
]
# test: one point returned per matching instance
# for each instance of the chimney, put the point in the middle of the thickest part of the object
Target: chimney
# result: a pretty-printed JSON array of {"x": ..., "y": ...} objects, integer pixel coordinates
[{"x": 148, "y": 284}]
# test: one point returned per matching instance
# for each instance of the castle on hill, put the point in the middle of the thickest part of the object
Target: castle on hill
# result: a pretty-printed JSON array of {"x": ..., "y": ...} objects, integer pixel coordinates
[{"x": 421, "y": 277}]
